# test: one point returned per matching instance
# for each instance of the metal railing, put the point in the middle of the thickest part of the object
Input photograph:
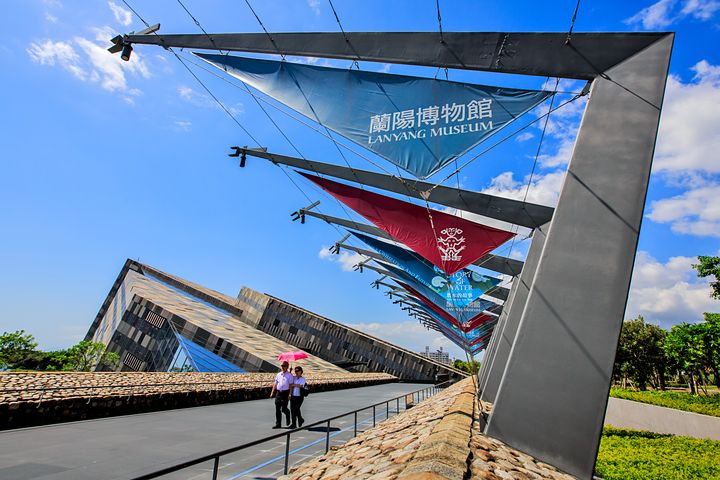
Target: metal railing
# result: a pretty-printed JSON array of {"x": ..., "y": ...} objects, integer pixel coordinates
[{"x": 417, "y": 396}]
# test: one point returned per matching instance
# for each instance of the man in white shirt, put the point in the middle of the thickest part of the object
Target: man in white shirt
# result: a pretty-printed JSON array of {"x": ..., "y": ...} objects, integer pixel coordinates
[{"x": 281, "y": 392}]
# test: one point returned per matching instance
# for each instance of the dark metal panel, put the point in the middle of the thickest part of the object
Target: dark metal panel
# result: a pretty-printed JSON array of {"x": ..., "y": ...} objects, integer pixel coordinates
[
  {"x": 512, "y": 211},
  {"x": 567, "y": 337},
  {"x": 501, "y": 293},
  {"x": 363, "y": 251},
  {"x": 360, "y": 227},
  {"x": 529, "y": 53},
  {"x": 504, "y": 265}
]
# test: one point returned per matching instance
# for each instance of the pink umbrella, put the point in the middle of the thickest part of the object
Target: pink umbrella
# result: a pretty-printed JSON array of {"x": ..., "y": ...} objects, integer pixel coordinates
[{"x": 292, "y": 356}]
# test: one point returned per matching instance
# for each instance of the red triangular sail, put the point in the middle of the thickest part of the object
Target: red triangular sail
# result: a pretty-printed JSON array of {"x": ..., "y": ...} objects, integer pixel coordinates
[{"x": 447, "y": 241}]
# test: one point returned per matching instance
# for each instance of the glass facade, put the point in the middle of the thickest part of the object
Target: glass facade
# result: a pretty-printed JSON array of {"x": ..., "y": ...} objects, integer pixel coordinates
[{"x": 191, "y": 357}]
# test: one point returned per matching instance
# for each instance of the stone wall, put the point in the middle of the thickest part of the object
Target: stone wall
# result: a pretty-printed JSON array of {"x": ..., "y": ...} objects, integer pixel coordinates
[
  {"x": 436, "y": 439},
  {"x": 29, "y": 399}
]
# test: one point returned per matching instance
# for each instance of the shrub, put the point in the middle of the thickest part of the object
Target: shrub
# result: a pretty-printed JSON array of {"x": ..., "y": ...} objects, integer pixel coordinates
[
  {"x": 634, "y": 455},
  {"x": 707, "y": 405}
]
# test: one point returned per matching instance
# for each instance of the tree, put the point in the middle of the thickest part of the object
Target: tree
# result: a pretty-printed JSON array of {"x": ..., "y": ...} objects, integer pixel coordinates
[
  {"x": 468, "y": 367},
  {"x": 685, "y": 350},
  {"x": 15, "y": 347},
  {"x": 640, "y": 356},
  {"x": 711, "y": 344},
  {"x": 86, "y": 355},
  {"x": 710, "y": 266}
]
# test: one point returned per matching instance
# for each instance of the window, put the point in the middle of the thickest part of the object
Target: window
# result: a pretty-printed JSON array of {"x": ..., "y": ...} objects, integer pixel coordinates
[
  {"x": 132, "y": 362},
  {"x": 155, "y": 320}
]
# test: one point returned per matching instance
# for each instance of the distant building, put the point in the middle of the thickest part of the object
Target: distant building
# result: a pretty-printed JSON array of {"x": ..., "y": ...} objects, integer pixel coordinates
[
  {"x": 159, "y": 322},
  {"x": 437, "y": 356}
]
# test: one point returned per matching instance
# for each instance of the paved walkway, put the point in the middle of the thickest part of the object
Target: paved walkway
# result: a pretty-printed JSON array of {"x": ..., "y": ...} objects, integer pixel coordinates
[
  {"x": 121, "y": 447},
  {"x": 642, "y": 416}
]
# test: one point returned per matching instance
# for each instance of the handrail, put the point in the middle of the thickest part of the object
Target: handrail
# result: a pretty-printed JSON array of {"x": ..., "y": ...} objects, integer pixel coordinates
[{"x": 216, "y": 456}]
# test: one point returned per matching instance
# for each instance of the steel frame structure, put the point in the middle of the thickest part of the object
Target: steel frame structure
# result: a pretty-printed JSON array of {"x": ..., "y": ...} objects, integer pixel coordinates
[{"x": 549, "y": 365}]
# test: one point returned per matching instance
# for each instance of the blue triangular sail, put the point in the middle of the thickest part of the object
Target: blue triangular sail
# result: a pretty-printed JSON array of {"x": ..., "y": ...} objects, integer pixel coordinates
[
  {"x": 461, "y": 291},
  {"x": 419, "y": 124},
  {"x": 462, "y": 316}
]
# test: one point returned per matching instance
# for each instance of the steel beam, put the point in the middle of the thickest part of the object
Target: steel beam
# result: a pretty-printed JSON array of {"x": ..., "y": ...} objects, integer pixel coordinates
[
  {"x": 505, "y": 337},
  {"x": 507, "y": 210},
  {"x": 543, "y": 54},
  {"x": 552, "y": 397}
]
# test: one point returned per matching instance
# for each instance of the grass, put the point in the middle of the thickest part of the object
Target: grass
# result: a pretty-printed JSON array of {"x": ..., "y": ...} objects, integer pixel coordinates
[
  {"x": 634, "y": 455},
  {"x": 705, "y": 404}
]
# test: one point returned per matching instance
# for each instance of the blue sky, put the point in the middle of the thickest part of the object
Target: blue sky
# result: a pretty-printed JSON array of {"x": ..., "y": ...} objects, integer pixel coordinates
[{"x": 104, "y": 160}]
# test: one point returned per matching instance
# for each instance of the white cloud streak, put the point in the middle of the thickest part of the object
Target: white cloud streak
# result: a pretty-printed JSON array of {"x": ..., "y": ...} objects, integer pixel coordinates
[
  {"x": 410, "y": 335},
  {"x": 668, "y": 293},
  {"x": 695, "y": 212},
  {"x": 122, "y": 15},
  {"x": 346, "y": 260},
  {"x": 689, "y": 136},
  {"x": 90, "y": 62},
  {"x": 314, "y": 6},
  {"x": 666, "y": 12}
]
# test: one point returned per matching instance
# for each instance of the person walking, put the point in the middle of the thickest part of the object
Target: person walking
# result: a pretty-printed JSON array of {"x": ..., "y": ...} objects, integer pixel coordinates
[
  {"x": 296, "y": 398},
  {"x": 281, "y": 392}
]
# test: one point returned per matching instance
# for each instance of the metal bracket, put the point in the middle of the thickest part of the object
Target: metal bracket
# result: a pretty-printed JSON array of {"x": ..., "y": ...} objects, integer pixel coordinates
[
  {"x": 336, "y": 248},
  {"x": 121, "y": 43},
  {"x": 300, "y": 214}
]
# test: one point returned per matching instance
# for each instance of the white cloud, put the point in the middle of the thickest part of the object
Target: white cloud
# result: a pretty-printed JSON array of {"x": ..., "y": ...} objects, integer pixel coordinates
[
  {"x": 205, "y": 101},
  {"x": 411, "y": 335},
  {"x": 314, "y": 6},
  {"x": 524, "y": 137},
  {"x": 183, "y": 125},
  {"x": 347, "y": 260},
  {"x": 656, "y": 15},
  {"x": 122, "y": 15},
  {"x": 63, "y": 54},
  {"x": 668, "y": 293},
  {"x": 666, "y": 12},
  {"x": 562, "y": 126},
  {"x": 701, "y": 9},
  {"x": 544, "y": 189},
  {"x": 91, "y": 62},
  {"x": 695, "y": 212},
  {"x": 50, "y": 17},
  {"x": 689, "y": 135}
]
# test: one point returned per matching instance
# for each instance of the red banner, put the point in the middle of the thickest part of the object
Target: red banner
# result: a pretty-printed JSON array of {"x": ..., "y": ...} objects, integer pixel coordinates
[{"x": 447, "y": 241}]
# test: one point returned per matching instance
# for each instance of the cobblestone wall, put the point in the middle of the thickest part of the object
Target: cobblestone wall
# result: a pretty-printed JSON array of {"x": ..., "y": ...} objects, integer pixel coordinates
[
  {"x": 437, "y": 439},
  {"x": 28, "y": 399}
]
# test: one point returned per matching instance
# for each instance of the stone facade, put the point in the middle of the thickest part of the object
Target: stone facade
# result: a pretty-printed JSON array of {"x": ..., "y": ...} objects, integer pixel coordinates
[
  {"x": 28, "y": 399},
  {"x": 149, "y": 317}
]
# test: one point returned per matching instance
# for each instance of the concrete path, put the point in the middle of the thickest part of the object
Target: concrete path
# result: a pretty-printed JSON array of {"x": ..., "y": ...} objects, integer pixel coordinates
[
  {"x": 121, "y": 447},
  {"x": 642, "y": 416}
]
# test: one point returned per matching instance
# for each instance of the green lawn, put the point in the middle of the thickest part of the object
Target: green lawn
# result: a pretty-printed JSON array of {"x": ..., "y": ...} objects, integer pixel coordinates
[
  {"x": 705, "y": 404},
  {"x": 634, "y": 455}
]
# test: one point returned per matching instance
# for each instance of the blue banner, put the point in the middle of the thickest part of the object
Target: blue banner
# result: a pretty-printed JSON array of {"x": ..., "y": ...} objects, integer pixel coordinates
[
  {"x": 469, "y": 336},
  {"x": 419, "y": 124},
  {"x": 461, "y": 291},
  {"x": 462, "y": 316}
]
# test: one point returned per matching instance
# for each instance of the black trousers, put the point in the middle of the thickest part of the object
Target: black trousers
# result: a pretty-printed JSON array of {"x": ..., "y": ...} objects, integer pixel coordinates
[
  {"x": 281, "y": 406},
  {"x": 295, "y": 403}
]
